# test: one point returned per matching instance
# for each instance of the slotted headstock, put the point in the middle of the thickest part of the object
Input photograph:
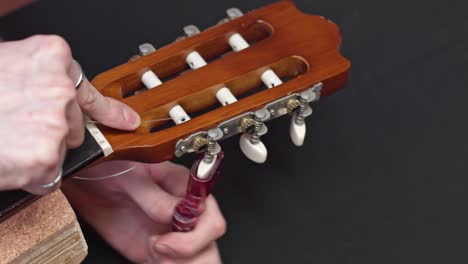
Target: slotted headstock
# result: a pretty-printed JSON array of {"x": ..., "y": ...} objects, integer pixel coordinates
[{"x": 302, "y": 50}]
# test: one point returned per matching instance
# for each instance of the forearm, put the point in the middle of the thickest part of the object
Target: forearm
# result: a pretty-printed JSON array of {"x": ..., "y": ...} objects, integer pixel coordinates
[{"x": 7, "y": 6}]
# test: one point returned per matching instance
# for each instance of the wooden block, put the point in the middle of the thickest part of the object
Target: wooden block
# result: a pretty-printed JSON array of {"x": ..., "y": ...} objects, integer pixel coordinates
[{"x": 44, "y": 232}]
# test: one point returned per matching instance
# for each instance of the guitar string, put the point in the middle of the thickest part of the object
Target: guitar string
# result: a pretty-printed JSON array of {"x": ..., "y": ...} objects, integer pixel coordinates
[
  {"x": 104, "y": 177},
  {"x": 121, "y": 172},
  {"x": 144, "y": 121}
]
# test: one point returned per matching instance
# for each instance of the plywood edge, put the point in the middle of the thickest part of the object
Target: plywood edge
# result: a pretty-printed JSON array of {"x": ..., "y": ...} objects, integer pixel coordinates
[{"x": 46, "y": 231}]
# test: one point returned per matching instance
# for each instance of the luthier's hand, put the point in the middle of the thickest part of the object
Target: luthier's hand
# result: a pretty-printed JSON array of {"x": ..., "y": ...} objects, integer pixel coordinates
[
  {"x": 41, "y": 111},
  {"x": 133, "y": 212}
]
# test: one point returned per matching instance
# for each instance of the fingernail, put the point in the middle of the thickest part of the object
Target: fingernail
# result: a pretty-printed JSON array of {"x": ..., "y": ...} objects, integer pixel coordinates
[
  {"x": 165, "y": 249},
  {"x": 132, "y": 117},
  {"x": 154, "y": 250}
]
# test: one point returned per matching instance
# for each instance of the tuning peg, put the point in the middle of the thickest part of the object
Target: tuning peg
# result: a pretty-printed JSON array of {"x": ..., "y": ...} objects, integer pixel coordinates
[
  {"x": 234, "y": 13},
  {"x": 211, "y": 151},
  {"x": 237, "y": 42},
  {"x": 146, "y": 48},
  {"x": 301, "y": 109},
  {"x": 255, "y": 151},
  {"x": 191, "y": 30},
  {"x": 225, "y": 96},
  {"x": 250, "y": 142},
  {"x": 178, "y": 115},
  {"x": 195, "y": 60},
  {"x": 148, "y": 78},
  {"x": 270, "y": 79}
]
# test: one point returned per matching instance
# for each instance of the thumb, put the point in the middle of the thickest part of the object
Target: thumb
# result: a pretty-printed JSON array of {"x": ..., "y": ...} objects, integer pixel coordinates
[
  {"x": 105, "y": 110},
  {"x": 157, "y": 204}
]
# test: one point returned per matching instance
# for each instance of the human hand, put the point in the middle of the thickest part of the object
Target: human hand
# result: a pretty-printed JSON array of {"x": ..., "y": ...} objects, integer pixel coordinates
[
  {"x": 41, "y": 111},
  {"x": 133, "y": 212}
]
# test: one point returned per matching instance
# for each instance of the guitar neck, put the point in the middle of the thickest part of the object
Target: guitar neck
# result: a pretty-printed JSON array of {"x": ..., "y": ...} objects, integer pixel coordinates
[{"x": 76, "y": 159}]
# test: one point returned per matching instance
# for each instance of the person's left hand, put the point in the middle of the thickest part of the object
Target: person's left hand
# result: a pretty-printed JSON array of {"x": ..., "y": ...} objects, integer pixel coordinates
[{"x": 133, "y": 212}]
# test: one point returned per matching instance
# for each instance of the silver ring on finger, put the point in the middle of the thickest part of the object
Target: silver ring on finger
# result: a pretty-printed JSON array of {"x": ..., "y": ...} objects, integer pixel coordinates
[
  {"x": 80, "y": 78},
  {"x": 53, "y": 183}
]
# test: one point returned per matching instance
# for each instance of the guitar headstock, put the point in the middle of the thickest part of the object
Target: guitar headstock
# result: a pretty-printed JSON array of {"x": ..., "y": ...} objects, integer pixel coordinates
[{"x": 226, "y": 80}]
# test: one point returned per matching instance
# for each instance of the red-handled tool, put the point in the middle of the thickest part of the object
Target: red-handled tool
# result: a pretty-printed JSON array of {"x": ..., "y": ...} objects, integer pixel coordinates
[{"x": 189, "y": 209}]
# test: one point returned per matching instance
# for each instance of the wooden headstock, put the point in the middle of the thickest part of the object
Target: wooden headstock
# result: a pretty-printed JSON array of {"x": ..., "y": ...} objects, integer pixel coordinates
[
  {"x": 294, "y": 54},
  {"x": 302, "y": 50}
]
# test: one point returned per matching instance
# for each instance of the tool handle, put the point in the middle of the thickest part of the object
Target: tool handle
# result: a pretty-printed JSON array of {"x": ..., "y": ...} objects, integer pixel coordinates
[{"x": 191, "y": 207}]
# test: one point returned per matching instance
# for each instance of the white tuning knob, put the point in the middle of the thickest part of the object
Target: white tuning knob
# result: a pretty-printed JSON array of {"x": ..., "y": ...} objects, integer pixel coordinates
[
  {"x": 256, "y": 152},
  {"x": 301, "y": 108},
  {"x": 204, "y": 168},
  {"x": 191, "y": 30},
  {"x": 211, "y": 153},
  {"x": 195, "y": 60},
  {"x": 150, "y": 79},
  {"x": 250, "y": 142},
  {"x": 178, "y": 115},
  {"x": 146, "y": 48},
  {"x": 237, "y": 42},
  {"x": 297, "y": 131},
  {"x": 270, "y": 79},
  {"x": 234, "y": 13},
  {"x": 225, "y": 96}
]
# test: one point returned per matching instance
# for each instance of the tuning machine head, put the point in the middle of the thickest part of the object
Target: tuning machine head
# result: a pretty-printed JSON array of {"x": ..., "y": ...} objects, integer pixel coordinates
[
  {"x": 232, "y": 13},
  {"x": 146, "y": 48},
  {"x": 300, "y": 109},
  {"x": 189, "y": 30},
  {"x": 250, "y": 143}
]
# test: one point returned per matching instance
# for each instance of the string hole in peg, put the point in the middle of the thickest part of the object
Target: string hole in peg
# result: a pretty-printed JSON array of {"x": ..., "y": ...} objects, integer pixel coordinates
[
  {"x": 270, "y": 79},
  {"x": 195, "y": 60},
  {"x": 178, "y": 115}
]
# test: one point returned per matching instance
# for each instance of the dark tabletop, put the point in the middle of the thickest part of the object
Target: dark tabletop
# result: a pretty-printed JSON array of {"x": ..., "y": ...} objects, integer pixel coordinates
[{"x": 382, "y": 177}]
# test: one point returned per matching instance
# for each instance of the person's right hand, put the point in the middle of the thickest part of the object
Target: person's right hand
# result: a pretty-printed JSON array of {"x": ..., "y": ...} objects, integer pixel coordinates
[
  {"x": 41, "y": 111},
  {"x": 133, "y": 212}
]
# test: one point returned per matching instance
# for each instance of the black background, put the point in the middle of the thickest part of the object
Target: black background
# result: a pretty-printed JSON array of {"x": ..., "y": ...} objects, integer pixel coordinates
[{"x": 382, "y": 177}]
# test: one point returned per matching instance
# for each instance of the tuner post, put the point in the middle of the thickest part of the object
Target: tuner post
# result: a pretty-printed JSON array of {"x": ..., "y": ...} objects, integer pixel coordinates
[
  {"x": 301, "y": 109},
  {"x": 253, "y": 128},
  {"x": 202, "y": 178}
]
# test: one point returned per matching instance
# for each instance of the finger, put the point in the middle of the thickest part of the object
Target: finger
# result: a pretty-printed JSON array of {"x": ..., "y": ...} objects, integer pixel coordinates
[
  {"x": 50, "y": 176},
  {"x": 207, "y": 255},
  {"x": 211, "y": 225},
  {"x": 74, "y": 117},
  {"x": 171, "y": 177},
  {"x": 105, "y": 110},
  {"x": 153, "y": 200}
]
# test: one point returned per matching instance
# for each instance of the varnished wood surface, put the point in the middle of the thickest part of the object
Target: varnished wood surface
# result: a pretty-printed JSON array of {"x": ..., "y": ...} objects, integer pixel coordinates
[{"x": 295, "y": 45}]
